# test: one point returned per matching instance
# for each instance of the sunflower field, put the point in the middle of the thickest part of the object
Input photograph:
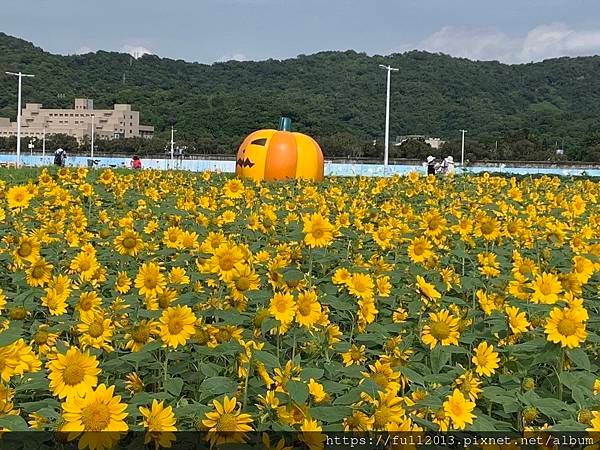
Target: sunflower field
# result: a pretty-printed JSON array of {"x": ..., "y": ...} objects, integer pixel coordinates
[{"x": 170, "y": 301}]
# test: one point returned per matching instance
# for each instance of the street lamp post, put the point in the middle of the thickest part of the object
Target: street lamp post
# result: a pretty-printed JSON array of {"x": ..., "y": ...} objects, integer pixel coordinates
[
  {"x": 172, "y": 144},
  {"x": 20, "y": 75},
  {"x": 462, "y": 152},
  {"x": 387, "y": 115}
]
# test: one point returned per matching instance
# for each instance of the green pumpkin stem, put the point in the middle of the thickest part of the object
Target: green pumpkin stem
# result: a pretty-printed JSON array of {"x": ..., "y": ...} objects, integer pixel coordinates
[{"x": 285, "y": 124}]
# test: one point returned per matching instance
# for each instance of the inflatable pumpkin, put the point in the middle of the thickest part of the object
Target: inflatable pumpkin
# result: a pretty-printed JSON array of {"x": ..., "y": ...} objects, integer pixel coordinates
[{"x": 279, "y": 155}]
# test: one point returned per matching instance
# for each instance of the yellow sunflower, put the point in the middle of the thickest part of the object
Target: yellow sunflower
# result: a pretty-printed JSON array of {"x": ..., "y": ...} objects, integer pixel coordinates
[
  {"x": 18, "y": 197},
  {"x": 283, "y": 308},
  {"x": 39, "y": 273},
  {"x": 227, "y": 424},
  {"x": 459, "y": 410},
  {"x": 129, "y": 243},
  {"x": 72, "y": 373},
  {"x": 150, "y": 280},
  {"x": 98, "y": 416},
  {"x": 486, "y": 360},
  {"x": 318, "y": 231},
  {"x": 177, "y": 325},
  {"x": 426, "y": 289},
  {"x": 308, "y": 309},
  {"x": 159, "y": 421},
  {"x": 442, "y": 328},
  {"x": 566, "y": 327},
  {"x": 546, "y": 288}
]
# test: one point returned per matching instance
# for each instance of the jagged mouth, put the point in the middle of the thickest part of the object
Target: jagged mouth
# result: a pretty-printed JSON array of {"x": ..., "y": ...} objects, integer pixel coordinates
[{"x": 244, "y": 163}]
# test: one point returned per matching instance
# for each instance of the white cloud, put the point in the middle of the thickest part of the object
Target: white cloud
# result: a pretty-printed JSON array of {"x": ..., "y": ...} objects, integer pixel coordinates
[
  {"x": 137, "y": 51},
  {"x": 543, "y": 42},
  {"x": 83, "y": 50},
  {"x": 234, "y": 57}
]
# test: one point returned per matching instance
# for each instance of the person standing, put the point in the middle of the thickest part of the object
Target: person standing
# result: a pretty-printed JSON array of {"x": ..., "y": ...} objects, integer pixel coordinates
[
  {"x": 449, "y": 165},
  {"x": 60, "y": 155},
  {"x": 431, "y": 165},
  {"x": 136, "y": 162}
]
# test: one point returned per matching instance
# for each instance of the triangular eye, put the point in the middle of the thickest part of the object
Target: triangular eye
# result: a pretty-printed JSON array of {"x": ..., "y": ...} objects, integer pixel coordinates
[{"x": 262, "y": 141}]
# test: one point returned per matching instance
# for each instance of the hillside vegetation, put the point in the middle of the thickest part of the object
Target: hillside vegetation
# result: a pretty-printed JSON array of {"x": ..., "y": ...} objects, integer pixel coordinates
[{"x": 338, "y": 97}]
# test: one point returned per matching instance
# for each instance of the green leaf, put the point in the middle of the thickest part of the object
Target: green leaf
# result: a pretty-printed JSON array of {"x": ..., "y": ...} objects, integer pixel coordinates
[
  {"x": 413, "y": 377},
  {"x": 580, "y": 358},
  {"x": 216, "y": 386},
  {"x": 268, "y": 324},
  {"x": 13, "y": 423},
  {"x": 298, "y": 391},
  {"x": 174, "y": 386},
  {"x": 268, "y": 359},
  {"x": 293, "y": 275},
  {"x": 9, "y": 336},
  {"x": 330, "y": 414},
  {"x": 311, "y": 372},
  {"x": 439, "y": 356},
  {"x": 551, "y": 407}
]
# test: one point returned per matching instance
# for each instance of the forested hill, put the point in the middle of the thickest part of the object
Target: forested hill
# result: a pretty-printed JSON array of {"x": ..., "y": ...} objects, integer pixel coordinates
[{"x": 338, "y": 97}]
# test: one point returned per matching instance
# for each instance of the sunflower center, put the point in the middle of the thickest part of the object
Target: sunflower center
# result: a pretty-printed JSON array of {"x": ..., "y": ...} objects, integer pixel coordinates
[
  {"x": 95, "y": 417},
  {"x": 150, "y": 282},
  {"x": 227, "y": 422},
  {"x": 226, "y": 262},
  {"x": 129, "y": 243},
  {"x": 242, "y": 284},
  {"x": 456, "y": 409},
  {"x": 140, "y": 335},
  {"x": 41, "y": 337},
  {"x": 440, "y": 330},
  {"x": 96, "y": 329},
  {"x": 38, "y": 272},
  {"x": 567, "y": 327},
  {"x": 175, "y": 326},
  {"x": 356, "y": 355},
  {"x": 546, "y": 289},
  {"x": 282, "y": 306},
  {"x": 304, "y": 308},
  {"x": 84, "y": 265},
  {"x": 318, "y": 233},
  {"x": 85, "y": 304},
  {"x": 73, "y": 374},
  {"x": 487, "y": 228},
  {"x": 382, "y": 416},
  {"x": 418, "y": 249},
  {"x": 381, "y": 379},
  {"x": 25, "y": 249}
]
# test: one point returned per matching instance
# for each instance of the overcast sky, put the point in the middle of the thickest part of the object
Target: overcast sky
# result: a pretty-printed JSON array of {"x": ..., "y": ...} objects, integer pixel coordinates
[{"x": 206, "y": 31}]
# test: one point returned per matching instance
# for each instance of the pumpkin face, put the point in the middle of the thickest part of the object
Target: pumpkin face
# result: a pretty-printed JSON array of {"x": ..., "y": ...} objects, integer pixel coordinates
[{"x": 279, "y": 155}]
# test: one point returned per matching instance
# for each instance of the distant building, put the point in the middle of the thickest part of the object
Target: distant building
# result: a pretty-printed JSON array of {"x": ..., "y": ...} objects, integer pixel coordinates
[
  {"x": 118, "y": 123},
  {"x": 434, "y": 143}
]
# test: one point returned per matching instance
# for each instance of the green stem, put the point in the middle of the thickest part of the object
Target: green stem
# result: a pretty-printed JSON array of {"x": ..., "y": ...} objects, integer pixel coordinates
[
  {"x": 165, "y": 369},
  {"x": 561, "y": 363},
  {"x": 246, "y": 383}
]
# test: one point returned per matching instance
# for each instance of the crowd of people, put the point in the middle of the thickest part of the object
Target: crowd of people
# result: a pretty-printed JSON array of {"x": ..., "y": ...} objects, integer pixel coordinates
[{"x": 444, "y": 167}]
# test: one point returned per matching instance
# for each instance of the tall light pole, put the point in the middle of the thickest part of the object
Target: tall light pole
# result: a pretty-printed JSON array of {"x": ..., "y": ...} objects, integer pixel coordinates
[
  {"x": 462, "y": 152},
  {"x": 387, "y": 115},
  {"x": 93, "y": 130},
  {"x": 20, "y": 75},
  {"x": 172, "y": 143}
]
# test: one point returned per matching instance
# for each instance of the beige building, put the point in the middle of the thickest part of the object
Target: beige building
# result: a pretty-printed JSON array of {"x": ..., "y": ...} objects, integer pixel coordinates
[{"x": 118, "y": 123}]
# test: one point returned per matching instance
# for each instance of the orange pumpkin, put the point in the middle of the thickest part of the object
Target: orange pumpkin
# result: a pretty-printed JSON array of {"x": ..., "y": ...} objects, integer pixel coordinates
[{"x": 279, "y": 155}]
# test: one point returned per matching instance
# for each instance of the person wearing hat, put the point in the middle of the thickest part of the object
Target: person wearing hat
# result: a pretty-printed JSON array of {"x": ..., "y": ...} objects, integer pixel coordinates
[
  {"x": 449, "y": 165},
  {"x": 431, "y": 165}
]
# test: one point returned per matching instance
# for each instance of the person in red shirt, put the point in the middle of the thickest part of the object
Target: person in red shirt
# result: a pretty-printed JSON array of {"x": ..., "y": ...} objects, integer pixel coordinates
[{"x": 136, "y": 162}]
